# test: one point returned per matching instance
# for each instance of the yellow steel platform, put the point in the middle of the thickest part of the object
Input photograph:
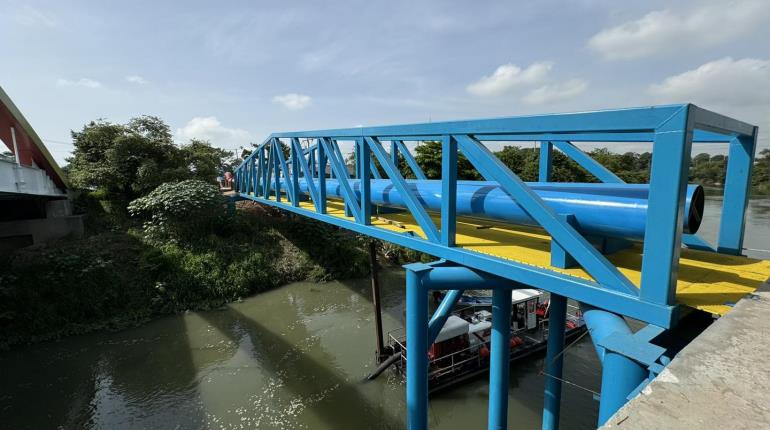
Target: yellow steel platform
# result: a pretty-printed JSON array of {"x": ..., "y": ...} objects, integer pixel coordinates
[{"x": 707, "y": 281}]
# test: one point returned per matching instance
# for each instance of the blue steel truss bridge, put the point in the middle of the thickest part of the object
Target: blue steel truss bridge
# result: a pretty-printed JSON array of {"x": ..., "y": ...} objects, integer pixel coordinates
[{"x": 620, "y": 250}]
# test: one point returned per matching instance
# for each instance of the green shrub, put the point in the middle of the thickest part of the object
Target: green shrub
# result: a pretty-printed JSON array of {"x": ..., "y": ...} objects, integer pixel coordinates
[{"x": 180, "y": 210}]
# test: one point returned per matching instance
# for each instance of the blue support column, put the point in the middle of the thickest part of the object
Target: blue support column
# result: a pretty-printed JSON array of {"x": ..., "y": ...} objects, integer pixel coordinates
[
  {"x": 500, "y": 353},
  {"x": 546, "y": 157},
  {"x": 620, "y": 377},
  {"x": 554, "y": 361},
  {"x": 417, "y": 351},
  {"x": 665, "y": 209},
  {"x": 448, "y": 191},
  {"x": 740, "y": 160},
  {"x": 394, "y": 152},
  {"x": 620, "y": 374}
]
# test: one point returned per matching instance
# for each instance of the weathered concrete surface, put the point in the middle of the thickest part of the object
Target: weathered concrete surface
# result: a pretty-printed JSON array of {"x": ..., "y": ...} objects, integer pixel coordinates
[{"x": 719, "y": 381}]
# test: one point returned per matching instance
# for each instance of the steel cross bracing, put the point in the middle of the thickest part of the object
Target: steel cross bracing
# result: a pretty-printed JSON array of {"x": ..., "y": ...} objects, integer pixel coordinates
[{"x": 671, "y": 129}]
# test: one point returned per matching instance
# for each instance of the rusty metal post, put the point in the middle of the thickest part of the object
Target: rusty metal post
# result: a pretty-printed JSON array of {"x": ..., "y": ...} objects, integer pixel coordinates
[{"x": 376, "y": 299}]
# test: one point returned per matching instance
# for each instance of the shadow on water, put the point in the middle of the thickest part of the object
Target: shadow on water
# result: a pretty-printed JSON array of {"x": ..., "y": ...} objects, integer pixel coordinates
[
  {"x": 339, "y": 403},
  {"x": 143, "y": 377}
]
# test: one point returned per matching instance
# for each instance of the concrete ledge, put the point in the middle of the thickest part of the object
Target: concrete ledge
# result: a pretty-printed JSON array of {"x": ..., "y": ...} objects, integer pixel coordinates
[
  {"x": 721, "y": 380},
  {"x": 40, "y": 231}
]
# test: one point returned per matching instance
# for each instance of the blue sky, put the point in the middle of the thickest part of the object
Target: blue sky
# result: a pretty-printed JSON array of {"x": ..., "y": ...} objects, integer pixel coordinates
[{"x": 232, "y": 72}]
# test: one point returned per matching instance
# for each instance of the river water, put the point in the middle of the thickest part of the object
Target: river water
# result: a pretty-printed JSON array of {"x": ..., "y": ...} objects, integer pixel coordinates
[{"x": 292, "y": 358}]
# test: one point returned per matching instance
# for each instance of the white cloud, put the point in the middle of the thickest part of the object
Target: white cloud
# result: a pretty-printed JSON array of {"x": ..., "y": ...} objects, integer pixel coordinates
[
  {"x": 509, "y": 77},
  {"x": 31, "y": 17},
  {"x": 736, "y": 88},
  {"x": 82, "y": 82},
  {"x": 209, "y": 128},
  {"x": 665, "y": 31},
  {"x": 724, "y": 82},
  {"x": 136, "y": 79},
  {"x": 557, "y": 92},
  {"x": 293, "y": 101}
]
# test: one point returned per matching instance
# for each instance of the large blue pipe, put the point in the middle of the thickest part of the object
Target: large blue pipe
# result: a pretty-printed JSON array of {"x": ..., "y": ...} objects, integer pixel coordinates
[{"x": 610, "y": 210}]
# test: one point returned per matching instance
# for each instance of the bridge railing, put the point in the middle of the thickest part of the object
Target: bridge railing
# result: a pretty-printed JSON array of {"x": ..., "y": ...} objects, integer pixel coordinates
[{"x": 284, "y": 158}]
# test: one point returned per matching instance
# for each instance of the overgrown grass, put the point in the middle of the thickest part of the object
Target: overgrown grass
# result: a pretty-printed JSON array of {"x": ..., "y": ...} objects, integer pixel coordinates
[{"x": 119, "y": 279}]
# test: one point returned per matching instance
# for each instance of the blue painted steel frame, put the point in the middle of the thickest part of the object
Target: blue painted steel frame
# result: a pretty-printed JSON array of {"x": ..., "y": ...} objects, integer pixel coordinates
[{"x": 672, "y": 130}]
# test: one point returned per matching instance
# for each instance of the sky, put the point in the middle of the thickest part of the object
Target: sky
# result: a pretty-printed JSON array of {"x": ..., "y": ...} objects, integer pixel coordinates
[{"x": 233, "y": 72}]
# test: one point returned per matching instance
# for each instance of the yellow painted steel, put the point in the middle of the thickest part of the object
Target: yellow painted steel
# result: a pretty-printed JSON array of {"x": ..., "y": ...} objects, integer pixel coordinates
[{"x": 707, "y": 281}]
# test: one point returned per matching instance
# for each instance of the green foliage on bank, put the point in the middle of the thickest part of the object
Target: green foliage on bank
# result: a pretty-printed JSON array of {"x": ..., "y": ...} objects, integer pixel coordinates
[
  {"x": 114, "y": 280},
  {"x": 126, "y": 161}
]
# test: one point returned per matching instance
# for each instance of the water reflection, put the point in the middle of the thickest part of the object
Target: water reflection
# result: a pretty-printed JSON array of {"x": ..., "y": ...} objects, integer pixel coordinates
[{"x": 295, "y": 357}]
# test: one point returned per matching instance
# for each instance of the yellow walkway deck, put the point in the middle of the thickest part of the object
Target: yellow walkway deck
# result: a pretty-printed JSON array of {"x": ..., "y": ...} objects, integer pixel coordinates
[{"x": 707, "y": 281}]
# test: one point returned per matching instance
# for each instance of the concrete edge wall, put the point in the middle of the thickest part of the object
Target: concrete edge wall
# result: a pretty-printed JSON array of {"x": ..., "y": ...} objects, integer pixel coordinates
[{"x": 721, "y": 380}]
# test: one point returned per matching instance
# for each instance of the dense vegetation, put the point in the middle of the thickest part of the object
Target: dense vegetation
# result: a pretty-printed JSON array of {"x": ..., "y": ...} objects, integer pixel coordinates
[{"x": 160, "y": 239}]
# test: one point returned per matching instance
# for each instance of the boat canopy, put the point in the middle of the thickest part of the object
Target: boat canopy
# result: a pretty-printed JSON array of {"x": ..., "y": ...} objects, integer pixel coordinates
[
  {"x": 518, "y": 296},
  {"x": 454, "y": 326}
]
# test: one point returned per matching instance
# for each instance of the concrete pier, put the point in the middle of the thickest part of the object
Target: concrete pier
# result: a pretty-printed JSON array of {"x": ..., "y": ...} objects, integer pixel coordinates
[{"x": 721, "y": 380}]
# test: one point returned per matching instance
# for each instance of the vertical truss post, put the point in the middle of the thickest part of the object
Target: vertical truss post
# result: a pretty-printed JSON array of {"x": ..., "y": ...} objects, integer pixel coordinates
[
  {"x": 668, "y": 185},
  {"x": 296, "y": 153},
  {"x": 277, "y": 169},
  {"x": 448, "y": 191},
  {"x": 321, "y": 177},
  {"x": 546, "y": 161},
  {"x": 311, "y": 156},
  {"x": 262, "y": 170},
  {"x": 255, "y": 178},
  {"x": 499, "y": 359},
  {"x": 740, "y": 160},
  {"x": 417, "y": 350},
  {"x": 269, "y": 162},
  {"x": 554, "y": 361},
  {"x": 365, "y": 185},
  {"x": 394, "y": 152}
]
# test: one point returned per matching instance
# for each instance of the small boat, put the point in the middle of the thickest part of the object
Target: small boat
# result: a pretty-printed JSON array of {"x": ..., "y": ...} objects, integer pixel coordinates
[{"x": 461, "y": 349}]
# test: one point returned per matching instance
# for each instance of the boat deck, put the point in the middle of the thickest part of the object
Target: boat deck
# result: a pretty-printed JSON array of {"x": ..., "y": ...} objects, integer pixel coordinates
[{"x": 707, "y": 281}]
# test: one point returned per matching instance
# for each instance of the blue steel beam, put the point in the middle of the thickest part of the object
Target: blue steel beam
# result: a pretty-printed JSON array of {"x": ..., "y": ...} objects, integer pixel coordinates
[
  {"x": 418, "y": 212},
  {"x": 321, "y": 176},
  {"x": 307, "y": 171},
  {"x": 276, "y": 169},
  {"x": 616, "y": 137},
  {"x": 622, "y": 120},
  {"x": 342, "y": 172},
  {"x": 294, "y": 198},
  {"x": 441, "y": 314},
  {"x": 546, "y": 161},
  {"x": 448, "y": 191},
  {"x": 665, "y": 208},
  {"x": 581, "y": 250},
  {"x": 418, "y": 173},
  {"x": 586, "y": 162},
  {"x": 740, "y": 161},
  {"x": 365, "y": 164}
]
